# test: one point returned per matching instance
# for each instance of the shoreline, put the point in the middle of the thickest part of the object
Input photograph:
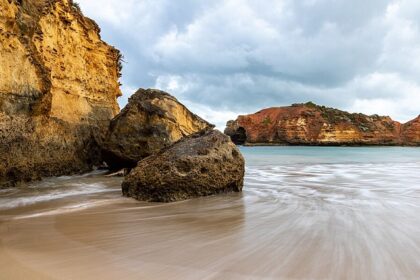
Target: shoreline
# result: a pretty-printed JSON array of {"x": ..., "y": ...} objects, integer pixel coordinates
[
  {"x": 308, "y": 213},
  {"x": 346, "y": 145}
]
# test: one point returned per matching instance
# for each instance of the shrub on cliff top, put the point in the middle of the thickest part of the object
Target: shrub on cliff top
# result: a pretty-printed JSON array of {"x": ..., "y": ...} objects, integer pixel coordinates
[
  {"x": 76, "y": 6},
  {"x": 120, "y": 60},
  {"x": 311, "y": 104}
]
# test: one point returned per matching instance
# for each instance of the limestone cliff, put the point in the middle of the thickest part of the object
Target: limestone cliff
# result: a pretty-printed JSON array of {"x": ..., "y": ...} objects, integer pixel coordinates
[
  {"x": 310, "y": 124},
  {"x": 58, "y": 89}
]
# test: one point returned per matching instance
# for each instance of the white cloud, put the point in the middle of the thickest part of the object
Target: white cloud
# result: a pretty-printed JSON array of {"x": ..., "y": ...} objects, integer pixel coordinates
[
  {"x": 216, "y": 116},
  {"x": 386, "y": 94}
]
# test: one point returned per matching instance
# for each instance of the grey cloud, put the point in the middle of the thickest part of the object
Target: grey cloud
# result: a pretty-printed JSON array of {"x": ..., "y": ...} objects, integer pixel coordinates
[{"x": 239, "y": 56}]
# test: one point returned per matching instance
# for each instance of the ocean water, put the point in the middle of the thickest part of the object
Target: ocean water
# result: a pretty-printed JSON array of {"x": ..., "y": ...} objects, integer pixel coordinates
[{"x": 305, "y": 213}]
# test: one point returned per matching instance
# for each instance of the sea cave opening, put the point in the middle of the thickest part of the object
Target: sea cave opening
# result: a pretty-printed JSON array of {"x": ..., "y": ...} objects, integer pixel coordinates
[{"x": 239, "y": 138}]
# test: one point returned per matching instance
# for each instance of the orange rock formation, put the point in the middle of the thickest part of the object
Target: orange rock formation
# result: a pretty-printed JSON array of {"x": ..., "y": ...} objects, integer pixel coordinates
[
  {"x": 310, "y": 124},
  {"x": 58, "y": 89}
]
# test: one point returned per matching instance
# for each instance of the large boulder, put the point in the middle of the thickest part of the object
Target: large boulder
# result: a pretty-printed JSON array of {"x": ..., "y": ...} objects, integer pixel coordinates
[
  {"x": 151, "y": 121},
  {"x": 199, "y": 165}
]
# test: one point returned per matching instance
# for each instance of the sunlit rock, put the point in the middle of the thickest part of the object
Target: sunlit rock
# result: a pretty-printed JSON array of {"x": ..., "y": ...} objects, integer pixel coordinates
[
  {"x": 151, "y": 121},
  {"x": 58, "y": 90}
]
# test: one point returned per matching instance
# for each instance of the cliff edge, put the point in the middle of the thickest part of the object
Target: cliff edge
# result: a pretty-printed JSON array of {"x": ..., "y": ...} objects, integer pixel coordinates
[
  {"x": 58, "y": 89},
  {"x": 411, "y": 132}
]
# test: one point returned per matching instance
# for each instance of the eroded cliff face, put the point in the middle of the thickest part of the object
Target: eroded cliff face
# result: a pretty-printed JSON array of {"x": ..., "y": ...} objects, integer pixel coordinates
[
  {"x": 411, "y": 132},
  {"x": 310, "y": 124},
  {"x": 58, "y": 89}
]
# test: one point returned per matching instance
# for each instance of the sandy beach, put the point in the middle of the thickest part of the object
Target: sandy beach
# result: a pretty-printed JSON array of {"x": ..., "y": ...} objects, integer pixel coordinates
[{"x": 330, "y": 219}]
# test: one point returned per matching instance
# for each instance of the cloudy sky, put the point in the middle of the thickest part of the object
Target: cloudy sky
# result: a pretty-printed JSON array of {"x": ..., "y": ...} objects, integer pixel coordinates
[{"x": 227, "y": 57}]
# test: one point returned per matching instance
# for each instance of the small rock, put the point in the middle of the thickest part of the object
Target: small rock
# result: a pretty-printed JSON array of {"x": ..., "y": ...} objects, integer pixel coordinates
[{"x": 120, "y": 173}]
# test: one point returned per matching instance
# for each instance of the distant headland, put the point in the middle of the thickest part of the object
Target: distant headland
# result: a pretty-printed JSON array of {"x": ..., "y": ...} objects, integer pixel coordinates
[{"x": 311, "y": 124}]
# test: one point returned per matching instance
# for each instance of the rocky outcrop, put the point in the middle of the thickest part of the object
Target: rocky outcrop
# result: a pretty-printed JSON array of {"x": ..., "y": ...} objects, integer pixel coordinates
[
  {"x": 198, "y": 165},
  {"x": 411, "y": 132},
  {"x": 310, "y": 124},
  {"x": 151, "y": 121},
  {"x": 58, "y": 89}
]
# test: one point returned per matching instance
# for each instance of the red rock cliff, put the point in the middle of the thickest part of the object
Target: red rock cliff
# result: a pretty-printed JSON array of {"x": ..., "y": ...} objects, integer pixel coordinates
[
  {"x": 310, "y": 124},
  {"x": 411, "y": 132}
]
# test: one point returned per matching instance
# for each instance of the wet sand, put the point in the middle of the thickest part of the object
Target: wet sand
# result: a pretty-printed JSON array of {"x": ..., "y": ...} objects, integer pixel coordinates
[{"x": 293, "y": 221}]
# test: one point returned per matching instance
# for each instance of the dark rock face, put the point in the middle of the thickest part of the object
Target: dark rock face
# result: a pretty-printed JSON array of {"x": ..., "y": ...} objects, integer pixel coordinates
[
  {"x": 39, "y": 147},
  {"x": 198, "y": 165},
  {"x": 236, "y": 133},
  {"x": 152, "y": 120}
]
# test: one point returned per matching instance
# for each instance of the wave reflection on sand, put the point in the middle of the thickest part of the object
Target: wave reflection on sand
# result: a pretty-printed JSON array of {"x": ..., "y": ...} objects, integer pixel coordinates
[{"x": 296, "y": 219}]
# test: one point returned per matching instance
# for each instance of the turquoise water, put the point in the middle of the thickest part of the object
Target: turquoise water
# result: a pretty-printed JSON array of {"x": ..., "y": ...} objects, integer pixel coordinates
[{"x": 324, "y": 155}]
